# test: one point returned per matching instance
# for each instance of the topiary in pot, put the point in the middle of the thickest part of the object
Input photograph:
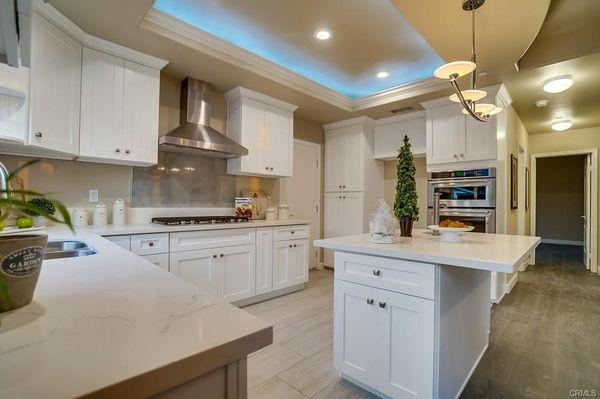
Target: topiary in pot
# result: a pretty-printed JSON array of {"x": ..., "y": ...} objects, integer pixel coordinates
[
  {"x": 21, "y": 255},
  {"x": 405, "y": 205},
  {"x": 42, "y": 203}
]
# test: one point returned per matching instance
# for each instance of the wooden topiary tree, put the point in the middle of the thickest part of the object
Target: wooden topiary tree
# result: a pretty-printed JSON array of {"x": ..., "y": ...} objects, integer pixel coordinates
[{"x": 405, "y": 205}]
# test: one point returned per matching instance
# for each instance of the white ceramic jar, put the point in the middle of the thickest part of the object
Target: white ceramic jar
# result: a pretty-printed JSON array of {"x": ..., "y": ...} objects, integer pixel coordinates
[
  {"x": 100, "y": 216},
  {"x": 119, "y": 212},
  {"x": 283, "y": 212},
  {"x": 271, "y": 213},
  {"x": 80, "y": 216}
]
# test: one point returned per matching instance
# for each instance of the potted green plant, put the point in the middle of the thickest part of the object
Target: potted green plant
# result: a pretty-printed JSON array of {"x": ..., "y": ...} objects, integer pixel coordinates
[
  {"x": 46, "y": 205},
  {"x": 21, "y": 255},
  {"x": 405, "y": 205}
]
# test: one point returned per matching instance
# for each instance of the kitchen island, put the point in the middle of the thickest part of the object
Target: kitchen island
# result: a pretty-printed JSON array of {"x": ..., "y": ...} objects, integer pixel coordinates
[
  {"x": 412, "y": 319},
  {"x": 115, "y": 325}
]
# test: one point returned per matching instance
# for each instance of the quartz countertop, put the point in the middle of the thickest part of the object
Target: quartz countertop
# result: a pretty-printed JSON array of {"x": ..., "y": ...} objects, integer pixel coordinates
[
  {"x": 113, "y": 324},
  {"x": 493, "y": 252},
  {"x": 147, "y": 228}
]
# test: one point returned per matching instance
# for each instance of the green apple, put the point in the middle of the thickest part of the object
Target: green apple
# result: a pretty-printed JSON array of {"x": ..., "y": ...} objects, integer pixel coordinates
[
  {"x": 24, "y": 223},
  {"x": 2, "y": 225}
]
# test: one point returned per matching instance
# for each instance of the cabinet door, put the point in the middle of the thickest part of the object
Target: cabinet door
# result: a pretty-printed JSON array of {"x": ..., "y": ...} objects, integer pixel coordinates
[
  {"x": 140, "y": 114},
  {"x": 122, "y": 241},
  {"x": 443, "y": 128},
  {"x": 199, "y": 268},
  {"x": 264, "y": 260},
  {"x": 299, "y": 267},
  {"x": 55, "y": 88},
  {"x": 238, "y": 267},
  {"x": 355, "y": 332},
  {"x": 352, "y": 161},
  {"x": 161, "y": 260},
  {"x": 332, "y": 161},
  {"x": 331, "y": 217},
  {"x": 279, "y": 147},
  {"x": 101, "y": 105},
  {"x": 284, "y": 264},
  {"x": 405, "y": 353},
  {"x": 478, "y": 140},
  {"x": 254, "y": 137},
  {"x": 352, "y": 216}
]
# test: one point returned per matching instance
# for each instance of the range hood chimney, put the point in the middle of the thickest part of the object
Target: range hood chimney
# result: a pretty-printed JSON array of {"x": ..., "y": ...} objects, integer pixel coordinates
[{"x": 194, "y": 135}]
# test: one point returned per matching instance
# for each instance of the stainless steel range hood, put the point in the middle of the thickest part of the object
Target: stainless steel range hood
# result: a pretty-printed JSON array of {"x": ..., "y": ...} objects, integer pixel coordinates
[{"x": 194, "y": 135}]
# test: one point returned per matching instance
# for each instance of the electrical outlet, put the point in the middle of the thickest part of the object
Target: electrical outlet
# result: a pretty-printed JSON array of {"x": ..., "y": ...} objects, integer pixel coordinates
[{"x": 93, "y": 195}]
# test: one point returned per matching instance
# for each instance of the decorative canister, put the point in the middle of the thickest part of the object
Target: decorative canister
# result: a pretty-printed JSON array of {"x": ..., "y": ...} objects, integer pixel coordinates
[
  {"x": 283, "y": 211},
  {"x": 119, "y": 212},
  {"x": 80, "y": 216},
  {"x": 100, "y": 216},
  {"x": 271, "y": 213}
]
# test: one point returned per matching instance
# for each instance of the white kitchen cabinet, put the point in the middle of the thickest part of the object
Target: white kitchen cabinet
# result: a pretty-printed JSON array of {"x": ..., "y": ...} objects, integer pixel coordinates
[
  {"x": 161, "y": 260},
  {"x": 479, "y": 140},
  {"x": 122, "y": 241},
  {"x": 198, "y": 267},
  {"x": 344, "y": 160},
  {"x": 290, "y": 263},
  {"x": 341, "y": 210},
  {"x": 390, "y": 132},
  {"x": 264, "y": 126},
  {"x": 238, "y": 268},
  {"x": 264, "y": 260},
  {"x": 119, "y": 110},
  {"x": 445, "y": 125},
  {"x": 384, "y": 339},
  {"x": 55, "y": 89}
]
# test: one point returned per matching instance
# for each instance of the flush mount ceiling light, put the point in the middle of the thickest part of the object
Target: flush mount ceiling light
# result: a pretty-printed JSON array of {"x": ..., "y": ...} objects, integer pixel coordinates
[
  {"x": 562, "y": 125},
  {"x": 542, "y": 103},
  {"x": 382, "y": 75},
  {"x": 558, "y": 84},
  {"x": 323, "y": 34},
  {"x": 454, "y": 70}
]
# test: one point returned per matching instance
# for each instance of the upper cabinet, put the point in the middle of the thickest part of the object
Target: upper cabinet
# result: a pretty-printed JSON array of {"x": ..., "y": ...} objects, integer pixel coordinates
[
  {"x": 55, "y": 87},
  {"x": 390, "y": 132},
  {"x": 119, "y": 110},
  {"x": 454, "y": 138},
  {"x": 89, "y": 99},
  {"x": 265, "y": 126},
  {"x": 345, "y": 159}
]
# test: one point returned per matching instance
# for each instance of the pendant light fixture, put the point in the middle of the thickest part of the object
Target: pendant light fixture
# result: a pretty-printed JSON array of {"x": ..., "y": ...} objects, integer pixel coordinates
[{"x": 455, "y": 69}]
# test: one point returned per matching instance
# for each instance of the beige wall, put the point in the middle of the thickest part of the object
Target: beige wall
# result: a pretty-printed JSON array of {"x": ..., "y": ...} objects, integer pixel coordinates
[
  {"x": 560, "y": 196},
  {"x": 389, "y": 187}
]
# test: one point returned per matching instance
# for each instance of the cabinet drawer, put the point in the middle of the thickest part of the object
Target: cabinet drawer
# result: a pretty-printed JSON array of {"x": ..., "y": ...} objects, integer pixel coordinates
[
  {"x": 161, "y": 260},
  {"x": 192, "y": 240},
  {"x": 122, "y": 241},
  {"x": 150, "y": 244},
  {"x": 290, "y": 232},
  {"x": 413, "y": 278}
]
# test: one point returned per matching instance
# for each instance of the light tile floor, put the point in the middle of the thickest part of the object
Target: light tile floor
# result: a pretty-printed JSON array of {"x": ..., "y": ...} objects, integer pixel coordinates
[{"x": 545, "y": 338}]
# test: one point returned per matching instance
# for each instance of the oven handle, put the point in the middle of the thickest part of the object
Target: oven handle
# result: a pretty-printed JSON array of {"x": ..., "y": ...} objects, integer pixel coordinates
[
  {"x": 470, "y": 183},
  {"x": 468, "y": 214}
]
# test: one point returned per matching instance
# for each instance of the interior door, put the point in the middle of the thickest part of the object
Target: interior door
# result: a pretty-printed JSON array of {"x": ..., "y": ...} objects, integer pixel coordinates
[
  {"x": 102, "y": 105},
  {"x": 279, "y": 142},
  {"x": 355, "y": 331},
  {"x": 302, "y": 192},
  {"x": 587, "y": 234},
  {"x": 237, "y": 264}
]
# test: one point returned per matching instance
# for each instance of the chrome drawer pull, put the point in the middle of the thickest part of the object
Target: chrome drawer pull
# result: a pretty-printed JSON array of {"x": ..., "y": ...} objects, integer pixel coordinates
[
  {"x": 369, "y": 301},
  {"x": 382, "y": 305},
  {"x": 377, "y": 272}
]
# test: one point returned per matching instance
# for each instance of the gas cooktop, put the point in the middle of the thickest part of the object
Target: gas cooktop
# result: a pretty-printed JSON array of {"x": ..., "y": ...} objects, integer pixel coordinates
[{"x": 185, "y": 220}]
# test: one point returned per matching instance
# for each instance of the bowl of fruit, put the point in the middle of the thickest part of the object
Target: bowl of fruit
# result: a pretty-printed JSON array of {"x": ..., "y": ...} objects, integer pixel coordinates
[{"x": 450, "y": 230}]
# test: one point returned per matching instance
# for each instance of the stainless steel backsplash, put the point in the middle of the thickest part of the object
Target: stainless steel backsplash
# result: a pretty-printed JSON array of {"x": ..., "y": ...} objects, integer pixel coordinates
[{"x": 180, "y": 180}]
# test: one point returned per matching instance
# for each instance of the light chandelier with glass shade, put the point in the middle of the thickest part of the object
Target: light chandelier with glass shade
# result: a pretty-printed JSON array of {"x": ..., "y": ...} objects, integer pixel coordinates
[{"x": 454, "y": 70}]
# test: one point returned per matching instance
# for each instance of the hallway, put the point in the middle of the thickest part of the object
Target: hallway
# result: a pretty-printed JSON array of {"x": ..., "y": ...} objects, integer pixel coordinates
[{"x": 545, "y": 337}]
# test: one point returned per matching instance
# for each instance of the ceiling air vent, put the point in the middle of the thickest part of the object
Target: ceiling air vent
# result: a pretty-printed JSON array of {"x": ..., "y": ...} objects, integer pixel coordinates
[{"x": 402, "y": 110}]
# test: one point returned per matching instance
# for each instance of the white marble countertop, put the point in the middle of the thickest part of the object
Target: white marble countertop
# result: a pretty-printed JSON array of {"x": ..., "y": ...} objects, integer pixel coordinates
[
  {"x": 112, "y": 322},
  {"x": 493, "y": 252},
  {"x": 146, "y": 228}
]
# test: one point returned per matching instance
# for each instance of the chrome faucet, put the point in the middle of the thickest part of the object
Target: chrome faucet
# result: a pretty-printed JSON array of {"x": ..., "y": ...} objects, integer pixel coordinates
[
  {"x": 5, "y": 185},
  {"x": 436, "y": 212}
]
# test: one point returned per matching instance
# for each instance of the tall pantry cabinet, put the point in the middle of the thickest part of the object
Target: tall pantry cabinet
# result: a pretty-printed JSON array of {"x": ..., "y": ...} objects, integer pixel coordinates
[{"x": 353, "y": 178}]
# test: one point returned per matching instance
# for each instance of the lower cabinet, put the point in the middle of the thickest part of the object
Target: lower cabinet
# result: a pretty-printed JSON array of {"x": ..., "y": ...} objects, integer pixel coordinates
[
  {"x": 290, "y": 263},
  {"x": 161, "y": 260},
  {"x": 227, "y": 272},
  {"x": 384, "y": 339},
  {"x": 264, "y": 260}
]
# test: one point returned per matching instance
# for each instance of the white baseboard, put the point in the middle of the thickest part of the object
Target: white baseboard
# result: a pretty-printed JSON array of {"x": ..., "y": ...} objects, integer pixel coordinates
[{"x": 561, "y": 242}]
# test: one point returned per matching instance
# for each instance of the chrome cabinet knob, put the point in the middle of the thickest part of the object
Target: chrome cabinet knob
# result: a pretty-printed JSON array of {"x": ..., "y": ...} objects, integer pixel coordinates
[
  {"x": 117, "y": 150},
  {"x": 382, "y": 305},
  {"x": 370, "y": 301},
  {"x": 455, "y": 156},
  {"x": 221, "y": 255},
  {"x": 150, "y": 244},
  {"x": 38, "y": 135},
  {"x": 266, "y": 168},
  {"x": 215, "y": 256},
  {"x": 294, "y": 245},
  {"x": 271, "y": 168},
  {"x": 127, "y": 151},
  {"x": 292, "y": 231},
  {"x": 343, "y": 186},
  {"x": 462, "y": 155},
  {"x": 290, "y": 245},
  {"x": 377, "y": 273}
]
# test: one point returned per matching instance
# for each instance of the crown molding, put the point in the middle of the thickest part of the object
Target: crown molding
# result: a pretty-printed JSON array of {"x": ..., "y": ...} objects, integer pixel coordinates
[
  {"x": 409, "y": 116},
  {"x": 48, "y": 12},
  {"x": 503, "y": 96},
  {"x": 359, "y": 120},
  {"x": 242, "y": 92},
  {"x": 190, "y": 36}
]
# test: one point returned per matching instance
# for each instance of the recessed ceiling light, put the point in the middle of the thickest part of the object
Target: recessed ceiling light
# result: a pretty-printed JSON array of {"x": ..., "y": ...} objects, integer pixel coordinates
[
  {"x": 557, "y": 84},
  {"x": 382, "y": 75},
  {"x": 562, "y": 125},
  {"x": 322, "y": 34},
  {"x": 542, "y": 103}
]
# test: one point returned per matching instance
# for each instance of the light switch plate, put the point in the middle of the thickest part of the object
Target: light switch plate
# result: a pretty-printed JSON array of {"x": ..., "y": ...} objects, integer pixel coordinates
[{"x": 93, "y": 194}]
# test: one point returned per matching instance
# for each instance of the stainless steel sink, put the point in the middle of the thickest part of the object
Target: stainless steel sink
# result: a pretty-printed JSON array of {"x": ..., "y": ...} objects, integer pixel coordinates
[{"x": 67, "y": 249}]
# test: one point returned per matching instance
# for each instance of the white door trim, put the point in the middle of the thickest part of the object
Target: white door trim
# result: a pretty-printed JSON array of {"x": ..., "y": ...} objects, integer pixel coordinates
[
  {"x": 284, "y": 182},
  {"x": 594, "y": 195}
]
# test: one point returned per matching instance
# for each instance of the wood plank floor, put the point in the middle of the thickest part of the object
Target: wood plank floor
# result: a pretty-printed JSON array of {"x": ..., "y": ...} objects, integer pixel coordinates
[{"x": 545, "y": 338}]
